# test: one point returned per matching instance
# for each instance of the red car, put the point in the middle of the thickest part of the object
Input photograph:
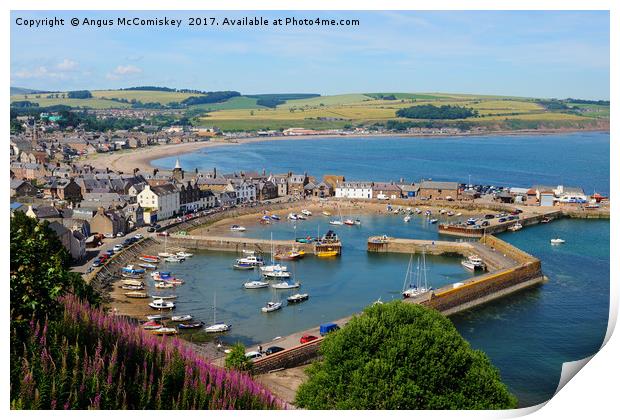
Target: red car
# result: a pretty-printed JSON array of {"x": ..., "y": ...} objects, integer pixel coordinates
[{"x": 307, "y": 338}]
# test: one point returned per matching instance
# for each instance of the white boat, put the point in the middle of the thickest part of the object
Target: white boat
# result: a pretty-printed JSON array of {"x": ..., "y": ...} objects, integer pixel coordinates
[
  {"x": 515, "y": 227},
  {"x": 420, "y": 287},
  {"x": 326, "y": 213},
  {"x": 169, "y": 297},
  {"x": 256, "y": 284},
  {"x": 417, "y": 210},
  {"x": 147, "y": 265},
  {"x": 298, "y": 297},
  {"x": 252, "y": 260},
  {"x": 557, "y": 241},
  {"x": 174, "y": 259},
  {"x": 277, "y": 274},
  {"x": 301, "y": 217},
  {"x": 358, "y": 222},
  {"x": 450, "y": 213},
  {"x": 158, "y": 317},
  {"x": 183, "y": 254},
  {"x": 161, "y": 304},
  {"x": 336, "y": 222},
  {"x": 164, "y": 285},
  {"x": 164, "y": 331},
  {"x": 181, "y": 318},
  {"x": 473, "y": 262},
  {"x": 165, "y": 254},
  {"x": 271, "y": 306},
  {"x": 272, "y": 268},
  {"x": 433, "y": 221},
  {"x": 407, "y": 219},
  {"x": 215, "y": 327},
  {"x": 237, "y": 228},
  {"x": 286, "y": 285},
  {"x": 458, "y": 214},
  {"x": 306, "y": 212},
  {"x": 292, "y": 216}
]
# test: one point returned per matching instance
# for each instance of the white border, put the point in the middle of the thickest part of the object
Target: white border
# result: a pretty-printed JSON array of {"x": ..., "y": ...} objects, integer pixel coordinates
[{"x": 592, "y": 394}]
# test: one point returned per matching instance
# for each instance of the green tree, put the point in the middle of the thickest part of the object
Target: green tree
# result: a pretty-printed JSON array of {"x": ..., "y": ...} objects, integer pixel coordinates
[
  {"x": 402, "y": 356},
  {"x": 236, "y": 359},
  {"x": 40, "y": 272}
]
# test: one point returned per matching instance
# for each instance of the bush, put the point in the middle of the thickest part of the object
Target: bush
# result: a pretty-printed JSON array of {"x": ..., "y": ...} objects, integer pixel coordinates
[
  {"x": 236, "y": 359},
  {"x": 402, "y": 356}
]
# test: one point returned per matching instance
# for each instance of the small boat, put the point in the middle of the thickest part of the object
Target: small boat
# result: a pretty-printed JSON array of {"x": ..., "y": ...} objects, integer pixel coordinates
[
  {"x": 165, "y": 254},
  {"x": 433, "y": 221},
  {"x": 136, "y": 295},
  {"x": 292, "y": 216},
  {"x": 458, "y": 214},
  {"x": 417, "y": 210},
  {"x": 161, "y": 304},
  {"x": 132, "y": 287},
  {"x": 298, "y": 297},
  {"x": 349, "y": 222},
  {"x": 420, "y": 287},
  {"x": 275, "y": 217},
  {"x": 291, "y": 255},
  {"x": 148, "y": 258},
  {"x": 147, "y": 265},
  {"x": 151, "y": 325},
  {"x": 428, "y": 212},
  {"x": 407, "y": 219},
  {"x": 557, "y": 241},
  {"x": 336, "y": 222},
  {"x": 450, "y": 213},
  {"x": 277, "y": 274},
  {"x": 240, "y": 266},
  {"x": 237, "y": 228},
  {"x": 301, "y": 217},
  {"x": 184, "y": 254},
  {"x": 357, "y": 222},
  {"x": 215, "y": 327},
  {"x": 161, "y": 274},
  {"x": 181, "y": 318},
  {"x": 256, "y": 284},
  {"x": 515, "y": 227},
  {"x": 473, "y": 262},
  {"x": 164, "y": 331},
  {"x": 157, "y": 317},
  {"x": 329, "y": 252},
  {"x": 285, "y": 285},
  {"x": 163, "y": 285},
  {"x": 132, "y": 270},
  {"x": 545, "y": 220},
  {"x": 271, "y": 306},
  {"x": 272, "y": 267},
  {"x": 173, "y": 281},
  {"x": 131, "y": 276},
  {"x": 174, "y": 259},
  {"x": 252, "y": 260},
  {"x": 326, "y": 213},
  {"x": 442, "y": 211},
  {"x": 190, "y": 326},
  {"x": 306, "y": 212},
  {"x": 132, "y": 283},
  {"x": 169, "y": 297}
]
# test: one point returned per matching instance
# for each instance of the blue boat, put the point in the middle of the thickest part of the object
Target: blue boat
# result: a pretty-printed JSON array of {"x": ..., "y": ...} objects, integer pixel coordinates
[{"x": 131, "y": 270}]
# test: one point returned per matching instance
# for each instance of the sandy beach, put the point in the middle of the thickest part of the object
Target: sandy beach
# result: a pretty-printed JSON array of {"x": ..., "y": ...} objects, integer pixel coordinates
[{"x": 127, "y": 160}]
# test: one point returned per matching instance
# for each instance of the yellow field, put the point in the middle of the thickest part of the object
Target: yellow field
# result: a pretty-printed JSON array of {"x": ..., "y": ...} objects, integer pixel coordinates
[{"x": 96, "y": 103}]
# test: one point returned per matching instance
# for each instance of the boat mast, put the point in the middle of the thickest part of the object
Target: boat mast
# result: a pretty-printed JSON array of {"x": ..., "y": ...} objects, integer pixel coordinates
[
  {"x": 407, "y": 273},
  {"x": 424, "y": 268},
  {"x": 214, "y": 294}
]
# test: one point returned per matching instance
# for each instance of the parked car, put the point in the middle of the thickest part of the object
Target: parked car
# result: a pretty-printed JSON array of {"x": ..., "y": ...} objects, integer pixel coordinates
[
  {"x": 273, "y": 349},
  {"x": 108, "y": 235},
  {"x": 139, "y": 236},
  {"x": 150, "y": 229},
  {"x": 327, "y": 328},
  {"x": 253, "y": 355},
  {"x": 162, "y": 233},
  {"x": 118, "y": 247},
  {"x": 485, "y": 223},
  {"x": 96, "y": 263},
  {"x": 489, "y": 216},
  {"x": 502, "y": 220},
  {"x": 120, "y": 234},
  {"x": 307, "y": 338}
]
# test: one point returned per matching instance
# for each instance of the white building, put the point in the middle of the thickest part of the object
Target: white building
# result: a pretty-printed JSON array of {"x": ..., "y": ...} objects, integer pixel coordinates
[
  {"x": 354, "y": 189},
  {"x": 244, "y": 190},
  {"x": 163, "y": 199}
]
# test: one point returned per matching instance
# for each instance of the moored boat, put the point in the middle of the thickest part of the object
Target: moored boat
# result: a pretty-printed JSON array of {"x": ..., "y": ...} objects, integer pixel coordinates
[
  {"x": 147, "y": 265},
  {"x": 406, "y": 219},
  {"x": 329, "y": 252},
  {"x": 271, "y": 306},
  {"x": 272, "y": 267},
  {"x": 306, "y": 212},
  {"x": 129, "y": 282},
  {"x": 192, "y": 325},
  {"x": 557, "y": 241},
  {"x": 151, "y": 325},
  {"x": 183, "y": 254},
  {"x": 132, "y": 287},
  {"x": 517, "y": 226},
  {"x": 277, "y": 274},
  {"x": 163, "y": 285},
  {"x": 433, "y": 221},
  {"x": 216, "y": 327},
  {"x": 181, "y": 318},
  {"x": 161, "y": 304},
  {"x": 168, "y": 297},
  {"x": 326, "y": 213},
  {"x": 239, "y": 266},
  {"x": 473, "y": 262},
  {"x": 255, "y": 284},
  {"x": 286, "y": 285},
  {"x": 298, "y": 297}
]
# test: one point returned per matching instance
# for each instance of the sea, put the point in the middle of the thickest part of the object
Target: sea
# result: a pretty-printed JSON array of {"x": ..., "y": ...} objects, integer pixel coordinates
[{"x": 527, "y": 336}]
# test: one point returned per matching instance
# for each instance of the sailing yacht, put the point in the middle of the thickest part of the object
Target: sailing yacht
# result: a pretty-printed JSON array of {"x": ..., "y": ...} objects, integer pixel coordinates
[
  {"x": 419, "y": 287},
  {"x": 337, "y": 222},
  {"x": 215, "y": 327},
  {"x": 273, "y": 266}
]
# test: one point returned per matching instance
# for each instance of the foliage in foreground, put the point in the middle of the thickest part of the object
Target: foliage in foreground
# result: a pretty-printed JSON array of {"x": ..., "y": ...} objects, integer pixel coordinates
[
  {"x": 237, "y": 359},
  {"x": 402, "y": 356},
  {"x": 87, "y": 359}
]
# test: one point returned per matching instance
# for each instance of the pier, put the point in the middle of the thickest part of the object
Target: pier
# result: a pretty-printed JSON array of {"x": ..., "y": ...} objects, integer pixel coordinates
[
  {"x": 239, "y": 244},
  {"x": 511, "y": 270}
]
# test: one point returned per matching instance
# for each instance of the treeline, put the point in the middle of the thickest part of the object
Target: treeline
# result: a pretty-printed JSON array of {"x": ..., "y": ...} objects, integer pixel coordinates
[
  {"x": 79, "y": 94},
  {"x": 395, "y": 125},
  {"x": 166, "y": 89},
  {"x": 210, "y": 97},
  {"x": 588, "y": 102},
  {"x": 24, "y": 104},
  {"x": 432, "y": 112},
  {"x": 272, "y": 100},
  {"x": 554, "y": 105}
]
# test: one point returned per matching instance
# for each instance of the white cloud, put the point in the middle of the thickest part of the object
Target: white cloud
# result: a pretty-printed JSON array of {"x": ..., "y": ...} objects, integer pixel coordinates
[
  {"x": 58, "y": 71},
  {"x": 123, "y": 71},
  {"x": 67, "y": 65}
]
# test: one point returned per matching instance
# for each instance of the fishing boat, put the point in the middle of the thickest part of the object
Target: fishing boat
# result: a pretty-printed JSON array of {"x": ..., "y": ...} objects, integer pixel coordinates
[
  {"x": 132, "y": 283},
  {"x": 349, "y": 222},
  {"x": 215, "y": 327},
  {"x": 181, "y": 318},
  {"x": 420, "y": 287},
  {"x": 271, "y": 306},
  {"x": 286, "y": 285},
  {"x": 407, "y": 218},
  {"x": 433, "y": 221},
  {"x": 147, "y": 265},
  {"x": 168, "y": 297},
  {"x": 306, "y": 212},
  {"x": 132, "y": 287},
  {"x": 515, "y": 227},
  {"x": 183, "y": 326},
  {"x": 252, "y": 260},
  {"x": 329, "y": 252},
  {"x": 163, "y": 285},
  {"x": 277, "y": 274},
  {"x": 161, "y": 304},
  {"x": 473, "y": 262},
  {"x": 165, "y": 331},
  {"x": 255, "y": 284},
  {"x": 158, "y": 317},
  {"x": 151, "y": 325},
  {"x": 136, "y": 295},
  {"x": 183, "y": 254},
  {"x": 275, "y": 217},
  {"x": 326, "y": 213},
  {"x": 298, "y": 297},
  {"x": 237, "y": 228},
  {"x": 131, "y": 276},
  {"x": 557, "y": 241}
]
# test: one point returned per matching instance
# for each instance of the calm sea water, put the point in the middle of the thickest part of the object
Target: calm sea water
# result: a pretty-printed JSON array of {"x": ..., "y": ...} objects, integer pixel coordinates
[
  {"x": 527, "y": 335},
  {"x": 580, "y": 159}
]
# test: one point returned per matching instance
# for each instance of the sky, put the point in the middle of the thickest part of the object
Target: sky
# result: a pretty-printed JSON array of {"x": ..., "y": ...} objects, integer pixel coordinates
[{"x": 552, "y": 54}]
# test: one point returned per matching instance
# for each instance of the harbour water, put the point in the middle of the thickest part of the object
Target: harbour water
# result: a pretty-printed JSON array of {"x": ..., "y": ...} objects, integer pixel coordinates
[{"x": 527, "y": 335}]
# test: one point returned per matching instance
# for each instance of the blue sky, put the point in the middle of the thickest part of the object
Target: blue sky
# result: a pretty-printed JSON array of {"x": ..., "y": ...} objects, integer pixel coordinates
[{"x": 542, "y": 54}]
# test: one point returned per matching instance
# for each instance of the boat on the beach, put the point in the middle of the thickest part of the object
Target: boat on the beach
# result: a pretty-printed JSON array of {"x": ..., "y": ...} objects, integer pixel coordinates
[
  {"x": 151, "y": 325},
  {"x": 181, "y": 318},
  {"x": 275, "y": 217},
  {"x": 137, "y": 295},
  {"x": 306, "y": 212},
  {"x": 129, "y": 282},
  {"x": 132, "y": 287},
  {"x": 165, "y": 254},
  {"x": 326, "y": 213},
  {"x": 237, "y": 228},
  {"x": 158, "y": 317},
  {"x": 132, "y": 270},
  {"x": 165, "y": 331},
  {"x": 163, "y": 285},
  {"x": 557, "y": 241},
  {"x": 161, "y": 304},
  {"x": 147, "y": 265},
  {"x": 132, "y": 276},
  {"x": 168, "y": 297},
  {"x": 298, "y": 297},
  {"x": 271, "y": 306},
  {"x": 255, "y": 284},
  {"x": 473, "y": 262},
  {"x": 292, "y": 216},
  {"x": 192, "y": 325},
  {"x": 286, "y": 285}
]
